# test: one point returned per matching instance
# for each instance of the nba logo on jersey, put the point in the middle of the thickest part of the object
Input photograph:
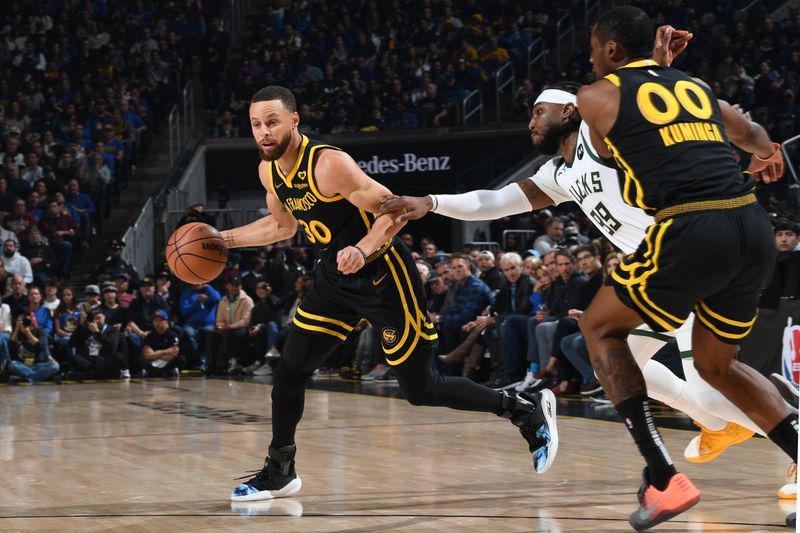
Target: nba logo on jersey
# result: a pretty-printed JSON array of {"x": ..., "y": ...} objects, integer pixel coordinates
[{"x": 791, "y": 352}]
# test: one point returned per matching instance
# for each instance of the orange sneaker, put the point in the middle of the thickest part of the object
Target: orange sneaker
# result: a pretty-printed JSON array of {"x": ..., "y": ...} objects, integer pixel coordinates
[
  {"x": 657, "y": 506},
  {"x": 709, "y": 444}
]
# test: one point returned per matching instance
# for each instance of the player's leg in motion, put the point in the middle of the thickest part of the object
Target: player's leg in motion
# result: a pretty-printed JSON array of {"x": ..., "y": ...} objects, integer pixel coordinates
[
  {"x": 722, "y": 423},
  {"x": 744, "y": 387},
  {"x": 303, "y": 354},
  {"x": 408, "y": 338},
  {"x": 606, "y": 325},
  {"x": 533, "y": 414}
]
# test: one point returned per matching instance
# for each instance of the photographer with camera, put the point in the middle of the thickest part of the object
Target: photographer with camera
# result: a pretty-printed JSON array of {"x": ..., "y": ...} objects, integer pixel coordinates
[
  {"x": 30, "y": 355},
  {"x": 98, "y": 351}
]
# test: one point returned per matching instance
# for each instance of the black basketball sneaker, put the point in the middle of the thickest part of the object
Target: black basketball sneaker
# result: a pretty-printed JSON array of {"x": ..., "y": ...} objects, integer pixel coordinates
[
  {"x": 277, "y": 479},
  {"x": 535, "y": 416}
]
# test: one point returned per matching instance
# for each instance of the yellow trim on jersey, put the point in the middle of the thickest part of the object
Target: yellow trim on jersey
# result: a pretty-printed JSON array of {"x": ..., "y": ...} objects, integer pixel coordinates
[
  {"x": 411, "y": 322},
  {"x": 630, "y": 178},
  {"x": 641, "y": 63},
  {"x": 648, "y": 255},
  {"x": 420, "y": 314},
  {"x": 319, "y": 318},
  {"x": 312, "y": 182},
  {"x": 712, "y": 327},
  {"x": 721, "y": 318},
  {"x": 613, "y": 78},
  {"x": 639, "y": 282},
  {"x": 271, "y": 182},
  {"x": 288, "y": 179},
  {"x": 365, "y": 218},
  {"x": 318, "y": 329}
]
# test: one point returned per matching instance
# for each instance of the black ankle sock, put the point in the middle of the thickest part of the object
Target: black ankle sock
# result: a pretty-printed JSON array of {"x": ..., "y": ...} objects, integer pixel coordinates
[
  {"x": 785, "y": 436},
  {"x": 639, "y": 421}
]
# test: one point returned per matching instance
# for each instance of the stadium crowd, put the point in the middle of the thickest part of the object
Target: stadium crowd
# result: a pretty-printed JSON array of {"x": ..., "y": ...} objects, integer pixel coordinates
[{"x": 85, "y": 85}]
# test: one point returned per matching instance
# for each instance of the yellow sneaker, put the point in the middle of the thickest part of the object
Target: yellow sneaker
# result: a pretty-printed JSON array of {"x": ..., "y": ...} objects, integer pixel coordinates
[
  {"x": 709, "y": 444},
  {"x": 789, "y": 491}
]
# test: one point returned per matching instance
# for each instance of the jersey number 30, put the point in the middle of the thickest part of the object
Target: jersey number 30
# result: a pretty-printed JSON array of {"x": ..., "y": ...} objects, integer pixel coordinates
[
  {"x": 316, "y": 231},
  {"x": 659, "y": 105}
]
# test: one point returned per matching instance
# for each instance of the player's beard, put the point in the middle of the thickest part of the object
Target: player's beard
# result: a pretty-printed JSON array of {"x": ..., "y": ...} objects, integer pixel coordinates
[
  {"x": 277, "y": 151},
  {"x": 551, "y": 141}
]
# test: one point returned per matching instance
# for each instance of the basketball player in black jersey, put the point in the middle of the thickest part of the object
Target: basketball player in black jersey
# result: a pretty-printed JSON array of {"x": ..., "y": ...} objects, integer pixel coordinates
[
  {"x": 364, "y": 271},
  {"x": 710, "y": 249}
]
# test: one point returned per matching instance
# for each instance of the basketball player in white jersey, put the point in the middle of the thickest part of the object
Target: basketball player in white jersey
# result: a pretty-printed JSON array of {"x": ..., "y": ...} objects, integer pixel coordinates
[{"x": 579, "y": 175}]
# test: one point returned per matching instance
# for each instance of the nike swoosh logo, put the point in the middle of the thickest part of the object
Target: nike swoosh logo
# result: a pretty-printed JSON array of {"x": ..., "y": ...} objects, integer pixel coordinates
[
  {"x": 279, "y": 185},
  {"x": 377, "y": 282}
]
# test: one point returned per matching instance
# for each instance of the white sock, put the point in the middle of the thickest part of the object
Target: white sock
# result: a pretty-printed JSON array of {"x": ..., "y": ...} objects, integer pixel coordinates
[
  {"x": 664, "y": 386},
  {"x": 711, "y": 400}
]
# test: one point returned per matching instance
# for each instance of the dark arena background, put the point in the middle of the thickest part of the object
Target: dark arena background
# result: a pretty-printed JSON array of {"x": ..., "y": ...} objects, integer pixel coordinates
[{"x": 130, "y": 400}]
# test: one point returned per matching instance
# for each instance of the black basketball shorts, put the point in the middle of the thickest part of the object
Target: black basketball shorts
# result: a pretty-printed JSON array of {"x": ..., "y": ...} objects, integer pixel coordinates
[
  {"x": 715, "y": 263},
  {"x": 388, "y": 292}
]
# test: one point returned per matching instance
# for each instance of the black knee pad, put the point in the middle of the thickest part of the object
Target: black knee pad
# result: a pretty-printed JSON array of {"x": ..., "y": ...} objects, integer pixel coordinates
[{"x": 288, "y": 374}]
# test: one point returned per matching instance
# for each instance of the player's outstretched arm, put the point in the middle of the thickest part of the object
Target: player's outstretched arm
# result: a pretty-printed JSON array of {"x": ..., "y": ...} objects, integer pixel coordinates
[
  {"x": 767, "y": 161},
  {"x": 339, "y": 174},
  {"x": 513, "y": 199},
  {"x": 277, "y": 226}
]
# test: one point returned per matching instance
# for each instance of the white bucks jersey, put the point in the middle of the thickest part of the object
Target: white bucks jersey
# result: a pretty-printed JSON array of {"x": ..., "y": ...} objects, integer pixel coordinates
[{"x": 594, "y": 185}]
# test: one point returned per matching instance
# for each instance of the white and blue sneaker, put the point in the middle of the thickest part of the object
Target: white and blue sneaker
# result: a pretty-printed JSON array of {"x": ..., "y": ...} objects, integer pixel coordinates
[
  {"x": 277, "y": 479},
  {"x": 535, "y": 416}
]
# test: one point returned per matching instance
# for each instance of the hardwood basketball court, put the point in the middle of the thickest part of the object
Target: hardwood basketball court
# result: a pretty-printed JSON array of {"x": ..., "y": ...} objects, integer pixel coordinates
[{"x": 162, "y": 455}]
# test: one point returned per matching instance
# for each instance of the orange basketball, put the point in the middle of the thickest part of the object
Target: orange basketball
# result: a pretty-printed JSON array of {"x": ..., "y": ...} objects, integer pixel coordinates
[{"x": 196, "y": 253}]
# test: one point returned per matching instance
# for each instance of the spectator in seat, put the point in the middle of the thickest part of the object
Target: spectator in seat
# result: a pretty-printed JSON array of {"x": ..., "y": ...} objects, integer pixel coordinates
[
  {"x": 264, "y": 326},
  {"x": 161, "y": 351},
  {"x": 165, "y": 293},
  {"x": 30, "y": 354},
  {"x": 32, "y": 171},
  {"x": 470, "y": 297},
  {"x": 98, "y": 351},
  {"x": 60, "y": 230},
  {"x": 5, "y": 332},
  {"x": 41, "y": 257},
  {"x": 123, "y": 282},
  {"x": 37, "y": 312},
  {"x": 20, "y": 221},
  {"x": 140, "y": 314},
  {"x": 230, "y": 330},
  {"x": 588, "y": 260},
  {"x": 51, "y": 290},
  {"x": 554, "y": 234},
  {"x": 91, "y": 295},
  {"x": 116, "y": 315},
  {"x": 17, "y": 298},
  {"x": 489, "y": 273},
  {"x": 568, "y": 293},
  {"x": 65, "y": 320},
  {"x": 198, "y": 309},
  {"x": 15, "y": 263},
  {"x": 83, "y": 205}
]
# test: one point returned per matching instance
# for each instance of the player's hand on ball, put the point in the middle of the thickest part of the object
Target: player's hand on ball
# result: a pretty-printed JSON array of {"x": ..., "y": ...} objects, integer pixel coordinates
[
  {"x": 768, "y": 169},
  {"x": 350, "y": 260},
  {"x": 405, "y": 208}
]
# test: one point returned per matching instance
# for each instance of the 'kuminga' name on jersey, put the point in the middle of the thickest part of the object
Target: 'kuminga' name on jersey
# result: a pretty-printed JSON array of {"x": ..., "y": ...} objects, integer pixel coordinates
[{"x": 594, "y": 185}]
